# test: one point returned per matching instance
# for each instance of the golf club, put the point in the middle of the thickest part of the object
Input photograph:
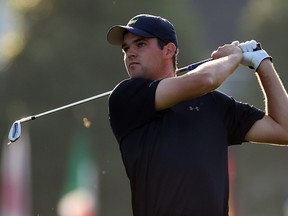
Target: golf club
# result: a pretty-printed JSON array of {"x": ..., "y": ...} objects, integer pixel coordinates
[{"x": 15, "y": 131}]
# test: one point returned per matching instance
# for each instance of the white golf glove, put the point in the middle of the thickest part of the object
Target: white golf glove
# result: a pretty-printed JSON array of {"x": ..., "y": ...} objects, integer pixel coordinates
[{"x": 253, "y": 54}]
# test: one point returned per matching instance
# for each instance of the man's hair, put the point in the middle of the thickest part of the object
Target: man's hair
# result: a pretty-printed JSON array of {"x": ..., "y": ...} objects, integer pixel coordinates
[{"x": 161, "y": 44}]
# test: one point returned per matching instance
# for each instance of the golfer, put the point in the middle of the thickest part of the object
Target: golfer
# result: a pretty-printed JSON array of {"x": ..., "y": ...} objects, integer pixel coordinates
[{"x": 174, "y": 131}]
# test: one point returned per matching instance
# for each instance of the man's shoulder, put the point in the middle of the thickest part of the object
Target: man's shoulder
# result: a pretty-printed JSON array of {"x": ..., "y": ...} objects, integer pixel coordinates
[{"x": 134, "y": 85}]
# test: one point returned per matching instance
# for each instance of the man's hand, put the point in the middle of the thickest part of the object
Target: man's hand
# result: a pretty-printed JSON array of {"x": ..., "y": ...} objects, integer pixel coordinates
[
  {"x": 232, "y": 49},
  {"x": 251, "y": 57}
]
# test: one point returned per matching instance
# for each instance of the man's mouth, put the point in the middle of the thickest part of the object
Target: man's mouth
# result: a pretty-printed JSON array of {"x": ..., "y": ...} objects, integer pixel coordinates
[{"x": 132, "y": 64}]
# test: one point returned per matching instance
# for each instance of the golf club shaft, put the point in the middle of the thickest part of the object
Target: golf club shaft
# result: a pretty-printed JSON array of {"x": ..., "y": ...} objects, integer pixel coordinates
[
  {"x": 33, "y": 117},
  {"x": 178, "y": 71}
]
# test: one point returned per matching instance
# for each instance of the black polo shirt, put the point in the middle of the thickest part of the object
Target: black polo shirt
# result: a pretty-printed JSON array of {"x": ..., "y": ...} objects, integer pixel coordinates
[{"x": 176, "y": 159}]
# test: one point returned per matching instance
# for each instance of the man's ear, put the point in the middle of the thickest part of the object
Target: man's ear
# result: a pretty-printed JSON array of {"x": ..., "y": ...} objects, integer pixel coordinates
[{"x": 170, "y": 50}]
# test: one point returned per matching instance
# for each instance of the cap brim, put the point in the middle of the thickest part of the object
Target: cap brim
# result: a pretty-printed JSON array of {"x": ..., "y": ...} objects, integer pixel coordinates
[{"x": 116, "y": 33}]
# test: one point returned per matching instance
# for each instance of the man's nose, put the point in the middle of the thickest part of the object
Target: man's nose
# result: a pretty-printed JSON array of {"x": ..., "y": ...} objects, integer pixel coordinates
[{"x": 131, "y": 52}]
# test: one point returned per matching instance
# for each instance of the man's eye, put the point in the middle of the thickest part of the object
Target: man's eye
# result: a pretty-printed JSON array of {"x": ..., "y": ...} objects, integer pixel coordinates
[{"x": 141, "y": 44}]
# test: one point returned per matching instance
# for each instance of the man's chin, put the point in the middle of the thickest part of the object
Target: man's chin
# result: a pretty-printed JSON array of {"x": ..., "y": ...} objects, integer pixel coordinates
[
  {"x": 135, "y": 73},
  {"x": 136, "y": 76}
]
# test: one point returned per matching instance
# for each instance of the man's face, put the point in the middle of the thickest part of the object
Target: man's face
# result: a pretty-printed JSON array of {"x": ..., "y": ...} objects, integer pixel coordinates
[{"x": 142, "y": 56}]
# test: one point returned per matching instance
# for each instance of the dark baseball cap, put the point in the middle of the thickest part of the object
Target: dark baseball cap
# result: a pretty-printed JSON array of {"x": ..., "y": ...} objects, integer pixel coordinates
[{"x": 144, "y": 25}]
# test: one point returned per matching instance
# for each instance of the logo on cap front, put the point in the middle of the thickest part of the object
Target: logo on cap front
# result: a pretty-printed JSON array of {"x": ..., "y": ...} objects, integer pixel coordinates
[{"x": 131, "y": 22}]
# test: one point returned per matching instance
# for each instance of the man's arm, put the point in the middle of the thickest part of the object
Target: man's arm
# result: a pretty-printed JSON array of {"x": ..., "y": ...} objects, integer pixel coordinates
[
  {"x": 273, "y": 127},
  {"x": 200, "y": 81}
]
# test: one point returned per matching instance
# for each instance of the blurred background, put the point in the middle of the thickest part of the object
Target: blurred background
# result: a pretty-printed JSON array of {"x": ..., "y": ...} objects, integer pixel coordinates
[{"x": 55, "y": 52}]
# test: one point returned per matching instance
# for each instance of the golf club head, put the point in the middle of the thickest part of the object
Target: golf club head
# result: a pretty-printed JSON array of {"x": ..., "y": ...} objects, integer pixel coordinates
[{"x": 15, "y": 131}]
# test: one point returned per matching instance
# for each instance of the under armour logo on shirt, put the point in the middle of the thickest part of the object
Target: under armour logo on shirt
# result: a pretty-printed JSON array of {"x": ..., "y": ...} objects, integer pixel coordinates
[{"x": 196, "y": 108}]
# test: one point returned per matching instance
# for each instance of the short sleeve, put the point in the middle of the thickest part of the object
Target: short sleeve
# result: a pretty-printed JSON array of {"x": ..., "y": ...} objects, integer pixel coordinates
[{"x": 238, "y": 117}]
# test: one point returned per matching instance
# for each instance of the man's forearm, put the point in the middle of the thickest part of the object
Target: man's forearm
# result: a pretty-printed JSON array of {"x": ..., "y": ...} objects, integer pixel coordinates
[{"x": 276, "y": 99}]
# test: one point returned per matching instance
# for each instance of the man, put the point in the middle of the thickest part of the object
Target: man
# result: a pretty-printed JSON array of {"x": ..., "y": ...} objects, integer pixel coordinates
[{"x": 174, "y": 131}]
